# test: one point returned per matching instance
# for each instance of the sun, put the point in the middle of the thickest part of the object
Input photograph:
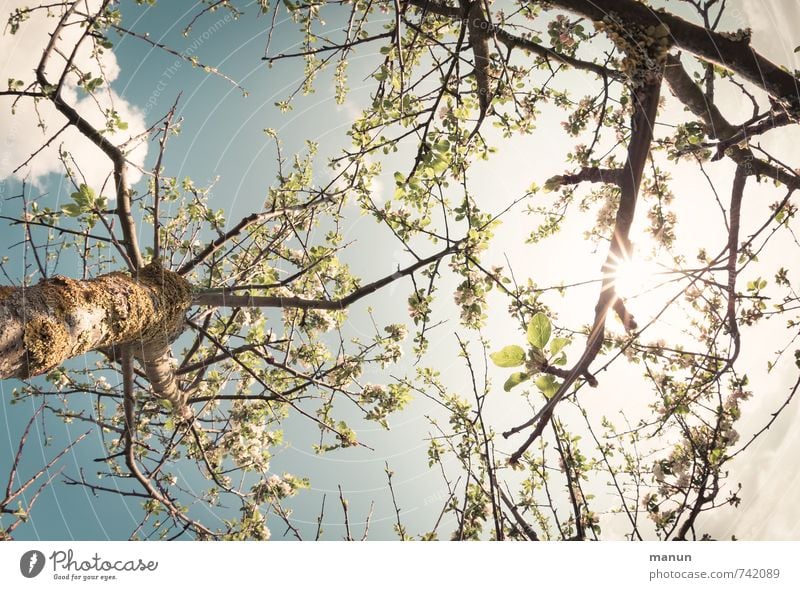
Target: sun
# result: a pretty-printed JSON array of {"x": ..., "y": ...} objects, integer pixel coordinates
[{"x": 635, "y": 276}]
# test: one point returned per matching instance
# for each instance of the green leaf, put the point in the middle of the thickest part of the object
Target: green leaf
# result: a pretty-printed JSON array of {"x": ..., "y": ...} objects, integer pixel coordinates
[
  {"x": 84, "y": 197},
  {"x": 557, "y": 345},
  {"x": 514, "y": 380},
  {"x": 440, "y": 164},
  {"x": 442, "y": 145},
  {"x": 547, "y": 385},
  {"x": 510, "y": 356},
  {"x": 72, "y": 209},
  {"x": 539, "y": 331}
]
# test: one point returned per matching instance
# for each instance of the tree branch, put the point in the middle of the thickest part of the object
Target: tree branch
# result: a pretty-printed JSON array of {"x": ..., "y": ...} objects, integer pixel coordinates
[
  {"x": 717, "y": 126},
  {"x": 513, "y": 42},
  {"x": 226, "y": 299},
  {"x": 116, "y": 155},
  {"x": 129, "y": 404},
  {"x": 243, "y": 224},
  {"x": 728, "y": 51},
  {"x": 643, "y": 120}
]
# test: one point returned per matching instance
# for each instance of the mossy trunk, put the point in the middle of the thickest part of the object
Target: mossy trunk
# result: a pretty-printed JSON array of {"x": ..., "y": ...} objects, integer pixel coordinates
[{"x": 61, "y": 318}]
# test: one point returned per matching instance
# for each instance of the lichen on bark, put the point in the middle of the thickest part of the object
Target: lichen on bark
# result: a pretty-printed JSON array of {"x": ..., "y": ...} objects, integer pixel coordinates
[
  {"x": 45, "y": 340},
  {"x": 60, "y": 318}
]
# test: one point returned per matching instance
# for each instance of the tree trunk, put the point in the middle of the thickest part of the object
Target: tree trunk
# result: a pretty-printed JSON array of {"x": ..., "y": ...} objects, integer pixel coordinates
[{"x": 60, "y": 318}]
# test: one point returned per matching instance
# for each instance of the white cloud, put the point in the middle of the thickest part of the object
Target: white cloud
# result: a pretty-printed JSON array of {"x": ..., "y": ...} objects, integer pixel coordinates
[{"x": 20, "y": 132}]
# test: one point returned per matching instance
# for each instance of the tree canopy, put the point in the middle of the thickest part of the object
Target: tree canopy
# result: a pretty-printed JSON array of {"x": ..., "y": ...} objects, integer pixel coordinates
[{"x": 563, "y": 230}]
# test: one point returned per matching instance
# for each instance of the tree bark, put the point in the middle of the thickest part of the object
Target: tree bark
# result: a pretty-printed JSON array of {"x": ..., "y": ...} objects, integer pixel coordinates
[
  {"x": 729, "y": 51},
  {"x": 61, "y": 318}
]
